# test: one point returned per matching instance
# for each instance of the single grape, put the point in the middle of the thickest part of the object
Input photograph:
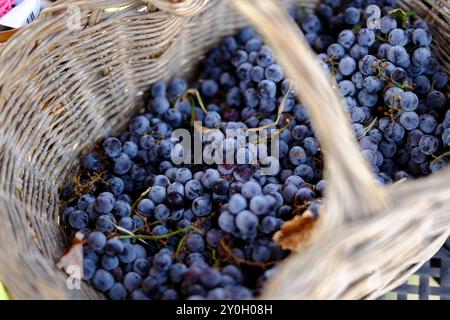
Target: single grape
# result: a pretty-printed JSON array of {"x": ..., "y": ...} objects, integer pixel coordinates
[
  {"x": 397, "y": 37},
  {"x": 436, "y": 99},
  {"x": 92, "y": 161},
  {"x": 387, "y": 24},
  {"x": 157, "y": 194},
  {"x": 428, "y": 144},
  {"x": 274, "y": 73},
  {"x": 115, "y": 186},
  {"x": 177, "y": 272},
  {"x": 210, "y": 278},
  {"x": 347, "y": 65},
  {"x": 440, "y": 80},
  {"x": 398, "y": 75},
  {"x": 212, "y": 119},
  {"x": 421, "y": 37},
  {"x": 251, "y": 189},
  {"x": 336, "y": 51},
  {"x": 227, "y": 222},
  {"x": 112, "y": 147},
  {"x": 201, "y": 206},
  {"x": 78, "y": 219},
  {"x": 409, "y": 120},
  {"x": 311, "y": 23},
  {"x": 247, "y": 222},
  {"x": 132, "y": 281},
  {"x": 421, "y": 57},
  {"x": 269, "y": 224},
  {"x": 122, "y": 164},
  {"x": 193, "y": 189},
  {"x": 105, "y": 223},
  {"x": 258, "y": 205},
  {"x": 297, "y": 155},
  {"x": 427, "y": 123},
  {"x": 398, "y": 56},
  {"x": 209, "y": 177},
  {"x": 195, "y": 243},
  {"x": 161, "y": 212},
  {"x": 103, "y": 280},
  {"x": 128, "y": 254},
  {"x": 175, "y": 200},
  {"x": 84, "y": 201},
  {"x": 347, "y": 88},
  {"x": 352, "y": 15},
  {"x": 159, "y": 89},
  {"x": 177, "y": 87},
  {"x": 266, "y": 89},
  {"x": 109, "y": 262},
  {"x": 209, "y": 87},
  {"x": 114, "y": 247},
  {"x": 366, "y": 37},
  {"x": 409, "y": 101}
]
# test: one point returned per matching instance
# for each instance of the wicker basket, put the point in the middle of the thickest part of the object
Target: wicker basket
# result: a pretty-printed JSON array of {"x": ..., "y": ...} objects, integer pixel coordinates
[{"x": 79, "y": 72}]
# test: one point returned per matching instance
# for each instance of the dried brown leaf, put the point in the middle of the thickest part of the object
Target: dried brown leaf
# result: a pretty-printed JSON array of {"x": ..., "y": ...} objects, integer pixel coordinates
[
  {"x": 296, "y": 233},
  {"x": 74, "y": 256}
]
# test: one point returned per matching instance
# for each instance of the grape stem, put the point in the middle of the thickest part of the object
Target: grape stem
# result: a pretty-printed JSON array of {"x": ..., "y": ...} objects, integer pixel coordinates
[
  {"x": 437, "y": 158},
  {"x": 181, "y": 244},
  {"x": 215, "y": 259},
  {"x": 196, "y": 93},
  {"x": 143, "y": 194},
  {"x": 150, "y": 237}
]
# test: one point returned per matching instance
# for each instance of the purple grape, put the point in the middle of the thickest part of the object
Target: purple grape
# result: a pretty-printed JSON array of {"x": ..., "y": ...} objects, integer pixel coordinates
[
  {"x": 112, "y": 147},
  {"x": 397, "y": 37},
  {"x": 91, "y": 161},
  {"x": 347, "y": 65},
  {"x": 209, "y": 88},
  {"x": 103, "y": 280},
  {"x": 195, "y": 243},
  {"x": 421, "y": 57},
  {"x": 428, "y": 144},
  {"x": 366, "y": 37},
  {"x": 409, "y": 120},
  {"x": 274, "y": 73},
  {"x": 78, "y": 219},
  {"x": 159, "y": 89},
  {"x": 387, "y": 24},
  {"x": 247, "y": 222},
  {"x": 132, "y": 281},
  {"x": 201, "y": 206},
  {"x": 114, "y": 247},
  {"x": 352, "y": 15}
]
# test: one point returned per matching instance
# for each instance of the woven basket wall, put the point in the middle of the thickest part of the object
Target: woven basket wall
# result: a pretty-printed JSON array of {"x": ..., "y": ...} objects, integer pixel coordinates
[{"x": 63, "y": 89}]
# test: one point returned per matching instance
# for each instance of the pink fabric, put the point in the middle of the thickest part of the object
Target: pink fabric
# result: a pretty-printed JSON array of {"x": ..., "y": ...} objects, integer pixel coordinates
[{"x": 5, "y": 6}]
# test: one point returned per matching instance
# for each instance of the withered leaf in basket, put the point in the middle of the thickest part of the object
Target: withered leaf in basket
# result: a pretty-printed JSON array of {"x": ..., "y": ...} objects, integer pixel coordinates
[
  {"x": 74, "y": 256},
  {"x": 296, "y": 233}
]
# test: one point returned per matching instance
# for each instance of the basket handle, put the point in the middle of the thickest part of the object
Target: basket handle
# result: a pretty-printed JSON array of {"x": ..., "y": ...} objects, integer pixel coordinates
[{"x": 352, "y": 191}]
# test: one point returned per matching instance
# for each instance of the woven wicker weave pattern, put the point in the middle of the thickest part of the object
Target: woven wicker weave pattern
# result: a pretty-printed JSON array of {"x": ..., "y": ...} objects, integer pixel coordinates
[{"x": 62, "y": 89}]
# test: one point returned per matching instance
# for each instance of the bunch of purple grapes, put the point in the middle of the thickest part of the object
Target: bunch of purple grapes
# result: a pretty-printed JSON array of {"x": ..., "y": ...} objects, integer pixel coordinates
[
  {"x": 158, "y": 230},
  {"x": 391, "y": 83}
]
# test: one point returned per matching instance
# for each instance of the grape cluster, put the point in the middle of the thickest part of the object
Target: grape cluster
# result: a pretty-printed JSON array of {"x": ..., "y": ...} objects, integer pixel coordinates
[
  {"x": 157, "y": 230},
  {"x": 391, "y": 84}
]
